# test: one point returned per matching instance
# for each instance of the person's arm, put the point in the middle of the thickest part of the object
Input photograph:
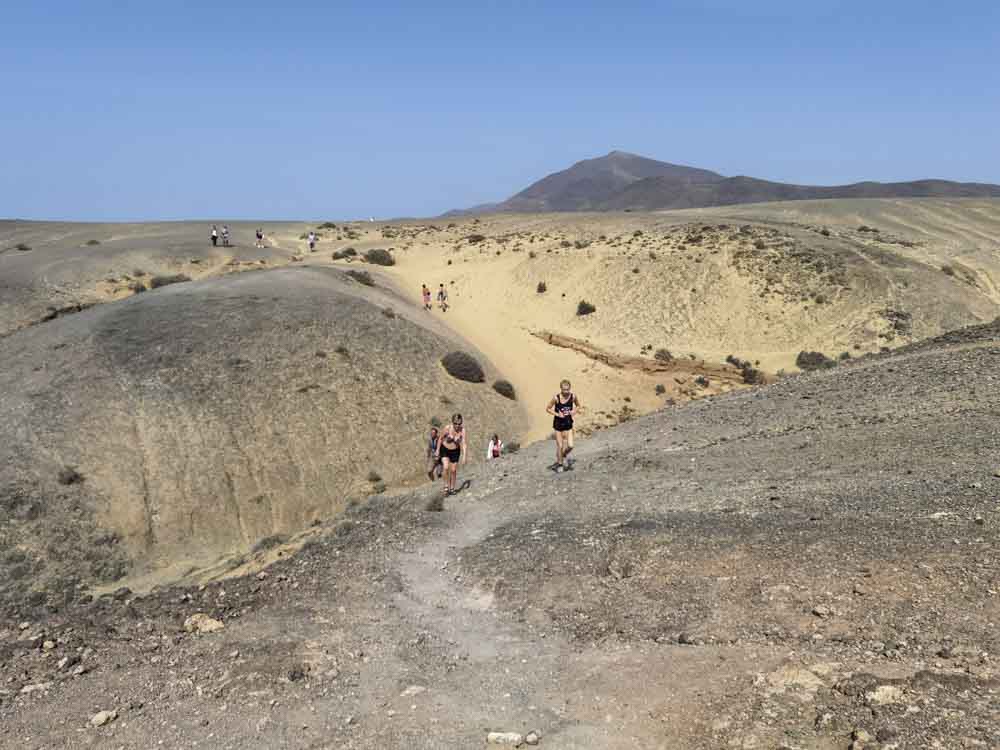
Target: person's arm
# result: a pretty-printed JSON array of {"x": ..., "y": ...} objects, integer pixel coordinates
[
  {"x": 551, "y": 408},
  {"x": 489, "y": 451},
  {"x": 576, "y": 406},
  {"x": 465, "y": 439}
]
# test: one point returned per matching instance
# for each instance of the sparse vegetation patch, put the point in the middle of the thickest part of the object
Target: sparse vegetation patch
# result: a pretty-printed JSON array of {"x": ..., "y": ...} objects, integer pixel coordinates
[
  {"x": 505, "y": 389},
  {"x": 158, "y": 281},
  {"x": 362, "y": 277},
  {"x": 585, "y": 308},
  {"x": 751, "y": 375},
  {"x": 69, "y": 475},
  {"x": 463, "y": 367},
  {"x": 380, "y": 257},
  {"x": 809, "y": 361}
]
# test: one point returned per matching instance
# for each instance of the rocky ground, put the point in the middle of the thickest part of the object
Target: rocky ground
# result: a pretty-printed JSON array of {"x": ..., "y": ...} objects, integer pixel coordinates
[{"x": 812, "y": 564}]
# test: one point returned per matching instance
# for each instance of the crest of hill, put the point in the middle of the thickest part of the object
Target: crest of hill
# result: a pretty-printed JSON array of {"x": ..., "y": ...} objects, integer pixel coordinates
[{"x": 623, "y": 181}]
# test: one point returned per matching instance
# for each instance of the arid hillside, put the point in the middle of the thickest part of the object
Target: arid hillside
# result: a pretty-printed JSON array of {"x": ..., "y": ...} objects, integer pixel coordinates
[
  {"x": 763, "y": 283},
  {"x": 810, "y": 565},
  {"x": 166, "y": 431}
]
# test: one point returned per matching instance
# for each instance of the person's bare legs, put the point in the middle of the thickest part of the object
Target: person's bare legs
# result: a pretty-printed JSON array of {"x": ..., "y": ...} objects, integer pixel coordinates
[
  {"x": 446, "y": 474},
  {"x": 567, "y": 443},
  {"x": 559, "y": 449}
]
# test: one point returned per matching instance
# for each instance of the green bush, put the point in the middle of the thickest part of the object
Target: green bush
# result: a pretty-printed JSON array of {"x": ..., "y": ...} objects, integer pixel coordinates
[{"x": 585, "y": 308}]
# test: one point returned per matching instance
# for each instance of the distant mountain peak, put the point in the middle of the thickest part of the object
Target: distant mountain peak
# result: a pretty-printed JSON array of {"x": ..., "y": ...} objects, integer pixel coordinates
[{"x": 621, "y": 180}]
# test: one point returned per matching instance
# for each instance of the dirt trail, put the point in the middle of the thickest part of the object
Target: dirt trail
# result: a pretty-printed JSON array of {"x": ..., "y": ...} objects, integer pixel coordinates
[{"x": 595, "y": 704}]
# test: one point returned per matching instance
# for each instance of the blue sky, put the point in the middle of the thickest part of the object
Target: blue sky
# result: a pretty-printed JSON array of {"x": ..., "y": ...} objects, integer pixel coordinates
[{"x": 316, "y": 110}]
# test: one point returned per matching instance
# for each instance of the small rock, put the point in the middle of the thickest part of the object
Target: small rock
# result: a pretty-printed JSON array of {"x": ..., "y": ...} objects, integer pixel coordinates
[
  {"x": 24, "y": 626},
  {"x": 885, "y": 695},
  {"x": 103, "y": 717},
  {"x": 823, "y": 720},
  {"x": 412, "y": 690},
  {"x": 48, "y": 645},
  {"x": 861, "y": 735},
  {"x": 37, "y": 687},
  {"x": 505, "y": 738},
  {"x": 263, "y": 575},
  {"x": 532, "y": 738},
  {"x": 202, "y": 623},
  {"x": 821, "y": 610}
]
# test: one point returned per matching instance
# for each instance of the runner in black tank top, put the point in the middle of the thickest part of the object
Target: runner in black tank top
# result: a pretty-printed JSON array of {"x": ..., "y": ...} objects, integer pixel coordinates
[
  {"x": 451, "y": 449},
  {"x": 562, "y": 407}
]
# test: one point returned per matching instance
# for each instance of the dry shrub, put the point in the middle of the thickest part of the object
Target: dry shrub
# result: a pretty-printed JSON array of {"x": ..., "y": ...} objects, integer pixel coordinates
[
  {"x": 505, "y": 389},
  {"x": 157, "y": 281},
  {"x": 463, "y": 367},
  {"x": 362, "y": 277},
  {"x": 380, "y": 257}
]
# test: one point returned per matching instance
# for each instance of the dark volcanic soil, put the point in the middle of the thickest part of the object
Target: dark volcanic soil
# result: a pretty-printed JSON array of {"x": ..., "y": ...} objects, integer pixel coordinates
[{"x": 808, "y": 565}]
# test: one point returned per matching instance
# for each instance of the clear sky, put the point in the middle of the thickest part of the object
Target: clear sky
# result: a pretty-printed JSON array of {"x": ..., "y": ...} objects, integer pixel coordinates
[{"x": 317, "y": 110}]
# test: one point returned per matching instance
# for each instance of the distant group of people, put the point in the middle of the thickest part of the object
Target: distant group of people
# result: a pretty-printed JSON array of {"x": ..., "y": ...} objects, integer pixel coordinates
[
  {"x": 215, "y": 236},
  {"x": 442, "y": 297},
  {"x": 225, "y": 236},
  {"x": 447, "y": 447}
]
